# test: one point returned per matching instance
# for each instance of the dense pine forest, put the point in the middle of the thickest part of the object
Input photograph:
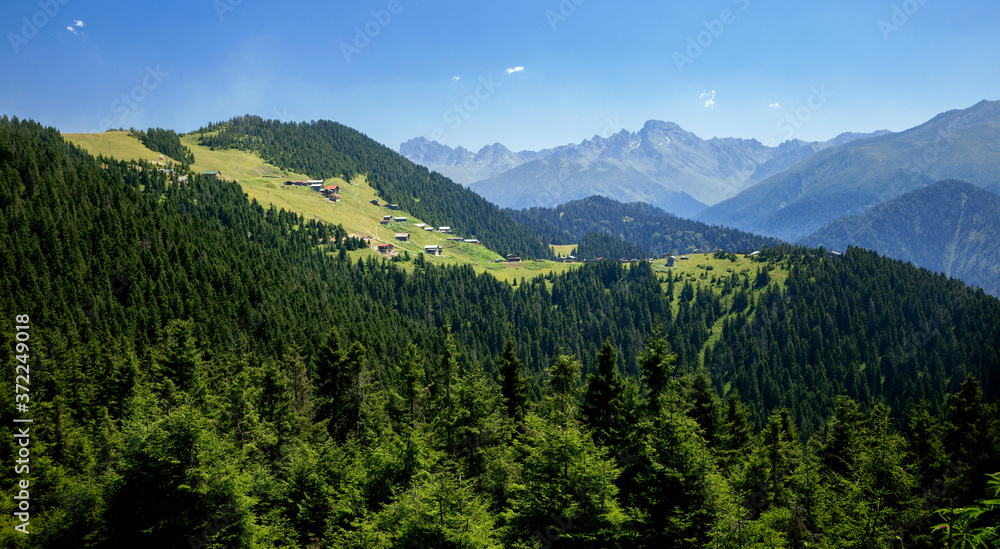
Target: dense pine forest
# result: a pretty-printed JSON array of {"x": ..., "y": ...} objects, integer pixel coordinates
[
  {"x": 602, "y": 245},
  {"x": 166, "y": 142},
  {"x": 327, "y": 149},
  {"x": 646, "y": 226},
  {"x": 208, "y": 372}
]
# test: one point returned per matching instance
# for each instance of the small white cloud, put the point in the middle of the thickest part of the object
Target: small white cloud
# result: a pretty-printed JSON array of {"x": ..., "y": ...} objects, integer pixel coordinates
[
  {"x": 78, "y": 24},
  {"x": 775, "y": 105},
  {"x": 512, "y": 70},
  {"x": 708, "y": 98},
  {"x": 456, "y": 78}
]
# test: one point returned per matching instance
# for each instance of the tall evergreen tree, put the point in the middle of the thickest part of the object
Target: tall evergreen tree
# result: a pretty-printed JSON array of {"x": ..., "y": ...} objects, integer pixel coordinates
[{"x": 513, "y": 385}]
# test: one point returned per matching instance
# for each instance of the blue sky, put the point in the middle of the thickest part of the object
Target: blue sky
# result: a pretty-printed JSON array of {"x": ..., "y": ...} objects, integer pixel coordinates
[{"x": 450, "y": 70}]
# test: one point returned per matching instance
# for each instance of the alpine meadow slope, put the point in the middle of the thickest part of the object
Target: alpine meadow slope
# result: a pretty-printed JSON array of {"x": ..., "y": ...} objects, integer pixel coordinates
[{"x": 325, "y": 149}]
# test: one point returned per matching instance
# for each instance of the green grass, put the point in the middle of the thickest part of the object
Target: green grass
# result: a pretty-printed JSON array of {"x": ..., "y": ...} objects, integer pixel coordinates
[
  {"x": 508, "y": 272},
  {"x": 696, "y": 270},
  {"x": 117, "y": 144},
  {"x": 562, "y": 249}
]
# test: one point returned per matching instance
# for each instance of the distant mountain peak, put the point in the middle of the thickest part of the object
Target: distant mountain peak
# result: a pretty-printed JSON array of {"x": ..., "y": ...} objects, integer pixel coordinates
[{"x": 661, "y": 163}]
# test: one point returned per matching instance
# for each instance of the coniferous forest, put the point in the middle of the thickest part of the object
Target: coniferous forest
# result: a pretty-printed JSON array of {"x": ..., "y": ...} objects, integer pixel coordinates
[
  {"x": 643, "y": 225},
  {"x": 208, "y": 372},
  {"x": 166, "y": 142},
  {"x": 325, "y": 149}
]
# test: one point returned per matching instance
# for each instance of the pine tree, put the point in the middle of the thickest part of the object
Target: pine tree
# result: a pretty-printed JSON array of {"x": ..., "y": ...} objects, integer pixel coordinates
[
  {"x": 513, "y": 384},
  {"x": 609, "y": 406}
]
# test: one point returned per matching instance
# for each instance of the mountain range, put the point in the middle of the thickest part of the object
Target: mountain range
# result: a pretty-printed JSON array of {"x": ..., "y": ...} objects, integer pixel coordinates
[
  {"x": 826, "y": 193},
  {"x": 850, "y": 178},
  {"x": 661, "y": 164}
]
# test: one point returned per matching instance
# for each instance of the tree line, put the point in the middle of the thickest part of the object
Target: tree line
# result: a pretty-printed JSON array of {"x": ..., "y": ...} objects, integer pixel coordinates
[
  {"x": 325, "y": 149},
  {"x": 210, "y": 371},
  {"x": 166, "y": 142},
  {"x": 643, "y": 225}
]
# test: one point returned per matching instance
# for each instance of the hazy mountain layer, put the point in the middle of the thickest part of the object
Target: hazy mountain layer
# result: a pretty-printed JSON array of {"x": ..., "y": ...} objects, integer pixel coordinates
[
  {"x": 661, "y": 164},
  {"x": 848, "y": 179},
  {"x": 950, "y": 227}
]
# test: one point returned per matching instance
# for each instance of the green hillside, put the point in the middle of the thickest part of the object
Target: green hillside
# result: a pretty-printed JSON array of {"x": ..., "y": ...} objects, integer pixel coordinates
[
  {"x": 265, "y": 183},
  {"x": 327, "y": 149},
  {"x": 949, "y": 227},
  {"x": 115, "y": 144},
  {"x": 645, "y": 226},
  {"x": 202, "y": 370}
]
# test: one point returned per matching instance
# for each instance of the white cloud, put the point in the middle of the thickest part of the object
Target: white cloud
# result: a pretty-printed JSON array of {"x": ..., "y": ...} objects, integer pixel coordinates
[
  {"x": 512, "y": 70},
  {"x": 78, "y": 24},
  {"x": 775, "y": 105},
  {"x": 456, "y": 78},
  {"x": 708, "y": 98}
]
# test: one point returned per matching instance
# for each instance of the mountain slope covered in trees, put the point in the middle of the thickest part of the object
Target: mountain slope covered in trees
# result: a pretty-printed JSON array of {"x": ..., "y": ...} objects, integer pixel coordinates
[
  {"x": 641, "y": 224},
  {"x": 950, "y": 227},
  {"x": 327, "y": 149},
  {"x": 206, "y": 371},
  {"x": 605, "y": 245},
  {"x": 166, "y": 142}
]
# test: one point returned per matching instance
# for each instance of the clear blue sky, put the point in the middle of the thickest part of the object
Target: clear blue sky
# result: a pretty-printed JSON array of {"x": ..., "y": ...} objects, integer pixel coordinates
[{"x": 589, "y": 66}]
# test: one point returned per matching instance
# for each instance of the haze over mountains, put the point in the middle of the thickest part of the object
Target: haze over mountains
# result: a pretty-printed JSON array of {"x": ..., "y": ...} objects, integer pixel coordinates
[
  {"x": 787, "y": 192},
  {"x": 950, "y": 227},
  {"x": 849, "y": 179},
  {"x": 661, "y": 164}
]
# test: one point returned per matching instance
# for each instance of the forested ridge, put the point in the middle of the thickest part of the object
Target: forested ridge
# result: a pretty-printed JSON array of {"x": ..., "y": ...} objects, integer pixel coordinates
[
  {"x": 646, "y": 226},
  {"x": 166, "y": 142},
  {"x": 325, "y": 149},
  {"x": 608, "y": 246},
  {"x": 949, "y": 226},
  {"x": 208, "y": 371}
]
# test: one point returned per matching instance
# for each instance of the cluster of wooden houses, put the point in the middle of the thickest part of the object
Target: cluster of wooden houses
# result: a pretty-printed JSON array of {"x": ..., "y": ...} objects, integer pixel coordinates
[
  {"x": 330, "y": 192},
  {"x": 511, "y": 258},
  {"x": 430, "y": 249}
]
